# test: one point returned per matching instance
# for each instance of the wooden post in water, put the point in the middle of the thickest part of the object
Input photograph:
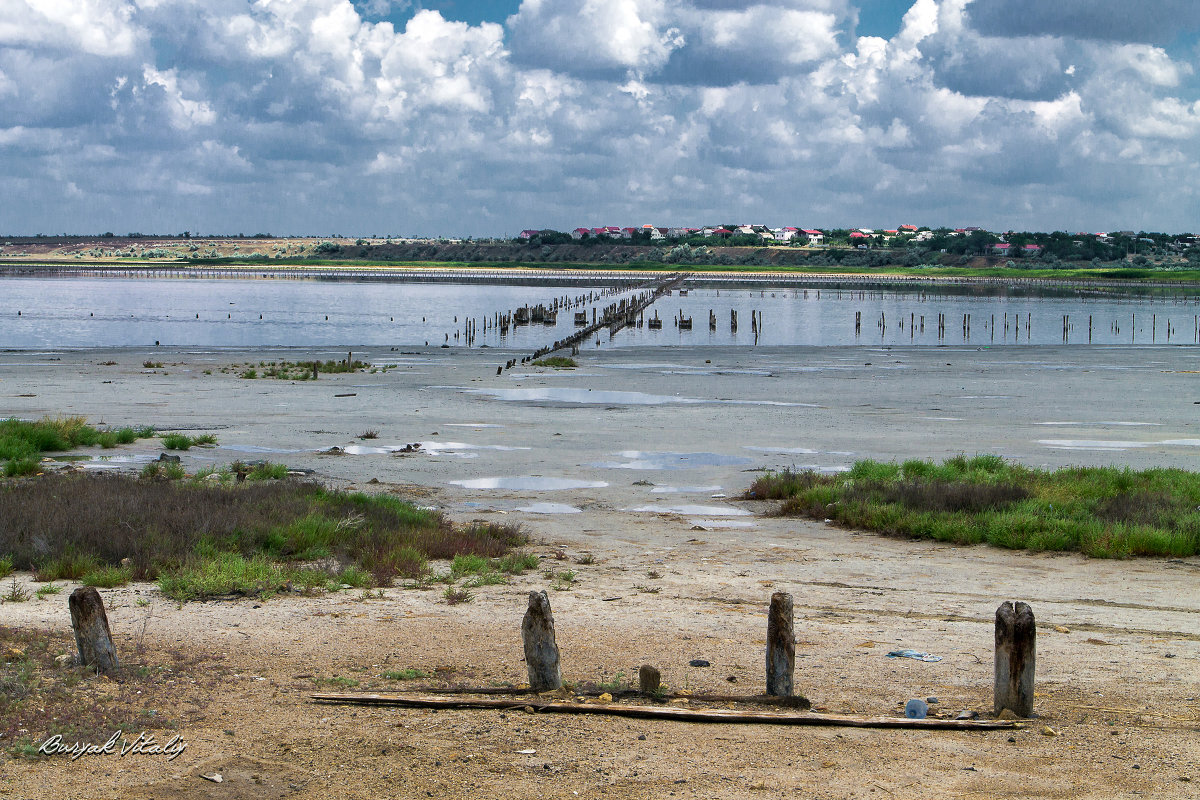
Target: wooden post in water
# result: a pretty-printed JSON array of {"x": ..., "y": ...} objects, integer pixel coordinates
[
  {"x": 781, "y": 646},
  {"x": 92, "y": 635},
  {"x": 541, "y": 651},
  {"x": 1015, "y": 657}
]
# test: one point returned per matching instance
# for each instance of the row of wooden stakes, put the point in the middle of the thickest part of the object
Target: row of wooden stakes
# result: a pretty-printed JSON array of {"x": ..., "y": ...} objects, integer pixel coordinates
[{"x": 1014, "y": 653}]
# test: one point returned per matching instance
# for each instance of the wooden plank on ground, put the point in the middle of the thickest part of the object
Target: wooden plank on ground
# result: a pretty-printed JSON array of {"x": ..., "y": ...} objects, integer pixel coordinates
[{"x": 658, "y": 712}]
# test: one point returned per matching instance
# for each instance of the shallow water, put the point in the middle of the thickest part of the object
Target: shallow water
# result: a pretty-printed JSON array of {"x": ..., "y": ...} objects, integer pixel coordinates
[
  {"x": 120, "y": 312},
  {"x": 694, "y": 510},
  {"x": 550, "y": 508},
  {"x": 641, "y": 460},
  {"x": 529, "y": 483}
]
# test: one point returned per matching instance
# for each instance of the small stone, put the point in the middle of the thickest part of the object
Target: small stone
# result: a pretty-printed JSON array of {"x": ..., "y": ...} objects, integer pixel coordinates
[
  {"x": 915, "y": 709},
  {"x": 966, "y": 714},
  {"x": 758, "y": 786},
  {"x": 64, "y": 660},
  {"x": 699, "y": 662},
  {"x": 1048, "y": 731},
  {"x": 604, "y": 698},
  {"x": 1007, "y": 715},
  {"x": 642, "y": 738},
  {"x": 1062, "y": 629},
  {"x": 931, "y": 700},
  {"x": 1168, "y": 655}
]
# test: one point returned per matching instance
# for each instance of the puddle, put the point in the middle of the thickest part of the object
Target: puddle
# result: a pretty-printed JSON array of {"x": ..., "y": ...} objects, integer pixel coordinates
[
  {"x": 684, "y": 489},
  {"x": 116, "y": 462},
  {"x": 1091, "y": 444},
  {"x": 1182, "y": 442},
  {"x": 802, "y": 451},
  {"x": 588, "y": 397},
  {"x": 531, "y": 483},
  {"x": 458, "y": 449},
  {"x": 638, "y": 459},
  {"x": 949, "y": 419},
  {"x": 1126, "y": 424},
  {"x": 472, "y": 425},
  {"x": 712, "y": 511},
  {"x": 550, "y": 508},
  {"x": 440, "y": 448},
  {"x": 253, "y": 448}
]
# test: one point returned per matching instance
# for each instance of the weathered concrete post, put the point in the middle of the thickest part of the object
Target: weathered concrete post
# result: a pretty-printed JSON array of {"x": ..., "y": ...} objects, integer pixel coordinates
[
  {"x": 92, "y": 635},
  {"x": 649, "y": 679},
  {"x": 1015, "y": 657},
  {"x": 781, "y": 646},
  {"x": 541, "y": 651}
]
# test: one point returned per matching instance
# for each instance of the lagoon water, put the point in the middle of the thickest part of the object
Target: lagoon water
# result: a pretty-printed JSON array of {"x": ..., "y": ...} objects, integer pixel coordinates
[{"x": 38, "y": 313}]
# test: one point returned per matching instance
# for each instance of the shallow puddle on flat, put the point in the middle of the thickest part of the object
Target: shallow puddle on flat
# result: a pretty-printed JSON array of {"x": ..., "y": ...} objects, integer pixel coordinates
[
  {"x": 116, "y": 462},
  {"x": 588, "y": 397},
  {"x": 458, "y": 449},
  {"x": 685, "y": 489},
  {"x": 711, "y": 511},
  {"x": 550, "y": 508},
  {"x": 530, "y": 483},
  {"x": 1110, "y": 422},
  {"x": 942, "y": 419},
  {"x": 803, "y": 451},
  {"x": 472, "y": 425},
  {"x": 638, "y": 459},
  {"x": 253, "y": 448},
  {"x": 1091, "y": 444}
]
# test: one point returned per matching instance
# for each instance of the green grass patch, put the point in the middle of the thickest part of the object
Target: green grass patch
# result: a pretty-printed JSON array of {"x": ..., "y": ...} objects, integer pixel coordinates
[
  {"x": 1103, "y": 512},
  {"x": 404, "y": 675},
  {"x": 22, "y": 443},
  {"x": 557, "y": 362},
  {"x": 203, "y": 538},
  {"x": 6, "y": 566},
  {"x": 181, "y": 441}
]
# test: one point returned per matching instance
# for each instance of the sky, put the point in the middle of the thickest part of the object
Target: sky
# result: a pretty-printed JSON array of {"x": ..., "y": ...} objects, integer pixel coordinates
[{"x": 473, "y": 118}]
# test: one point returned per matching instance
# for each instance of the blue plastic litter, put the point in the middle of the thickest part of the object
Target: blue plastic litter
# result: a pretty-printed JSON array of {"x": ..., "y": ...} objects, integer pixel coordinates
[
  {"x": 914, "y": 654},
  {"x": 915, "y": 709}
]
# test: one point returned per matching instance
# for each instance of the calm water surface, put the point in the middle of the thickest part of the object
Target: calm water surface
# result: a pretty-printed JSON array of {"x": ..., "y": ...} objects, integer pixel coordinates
[{"x": 115, "y": 312}]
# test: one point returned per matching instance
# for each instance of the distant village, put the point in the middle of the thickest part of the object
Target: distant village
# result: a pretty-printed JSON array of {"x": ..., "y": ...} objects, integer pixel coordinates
[{"x": 1010, "y": 243}]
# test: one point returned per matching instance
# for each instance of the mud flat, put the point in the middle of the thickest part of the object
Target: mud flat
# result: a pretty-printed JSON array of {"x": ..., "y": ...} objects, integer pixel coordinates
[{"x": 632, "y": 463}]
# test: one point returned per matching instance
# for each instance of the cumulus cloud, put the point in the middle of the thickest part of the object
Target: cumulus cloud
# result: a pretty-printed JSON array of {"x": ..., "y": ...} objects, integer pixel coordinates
[
  {"x": 1150, "y": 21},
  {"x": 313, "y": 115}
]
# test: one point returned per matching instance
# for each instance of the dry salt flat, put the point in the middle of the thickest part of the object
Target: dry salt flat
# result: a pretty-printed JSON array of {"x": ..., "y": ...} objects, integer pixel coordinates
[{"x": 633, "y": 463}]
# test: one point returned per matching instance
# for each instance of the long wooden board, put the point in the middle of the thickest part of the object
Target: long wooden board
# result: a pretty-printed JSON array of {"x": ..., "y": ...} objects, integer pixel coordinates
[{"x": 658, "y": 712}]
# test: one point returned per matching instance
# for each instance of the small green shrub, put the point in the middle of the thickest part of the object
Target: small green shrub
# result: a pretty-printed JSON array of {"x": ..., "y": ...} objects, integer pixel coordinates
[
  {"x": 6, "y": 566},
  {"x": 107, "y": 577},
  {"x": 454, "y": 596},
  {"x": 517, "y": 563},
  {"x": 176, "y": 441},
  {"x": 404, "y": 675},
  {"x": 557, "y": 362},
  {"x": 22, "y": 466}
]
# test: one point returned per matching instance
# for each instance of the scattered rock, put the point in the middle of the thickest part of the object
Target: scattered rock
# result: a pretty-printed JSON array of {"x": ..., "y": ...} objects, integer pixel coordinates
[
  {"x": 373, "y": 480},
  {"x": 167, "y": 458},
  {"x": 933, "y": 701},
  {"x": 215, "y": 777},
  {"x": 1062, "y": 629},
  {"x": 605, "y": 697},
  {"x": 699, "y": 662},
  {"x": 1048, "y": 731},
  {"x": 1007, "y": 715},
  {"x": 642, "y": 738},
  {"x": 65, "y": 660},
  {"x": 967, "y": 714}
]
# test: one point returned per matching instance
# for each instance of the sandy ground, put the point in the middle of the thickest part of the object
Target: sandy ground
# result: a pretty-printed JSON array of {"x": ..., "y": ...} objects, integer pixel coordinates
[{"x": 661, "y": 442}]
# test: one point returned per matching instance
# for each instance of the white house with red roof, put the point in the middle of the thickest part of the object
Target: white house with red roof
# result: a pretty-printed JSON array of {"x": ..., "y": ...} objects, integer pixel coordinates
[
  {"x": 814, "y": 236},
  {"x": 529, "y": 234}
]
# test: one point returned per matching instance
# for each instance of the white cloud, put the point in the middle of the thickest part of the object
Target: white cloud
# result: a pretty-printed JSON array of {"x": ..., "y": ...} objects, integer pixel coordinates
[
  {"x": 96, "y": 27},
  {"x": 250, "y": 114}
]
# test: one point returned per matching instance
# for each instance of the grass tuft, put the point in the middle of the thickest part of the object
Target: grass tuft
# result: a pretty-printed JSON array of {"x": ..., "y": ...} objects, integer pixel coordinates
[{"x": 557, "y": 362}]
